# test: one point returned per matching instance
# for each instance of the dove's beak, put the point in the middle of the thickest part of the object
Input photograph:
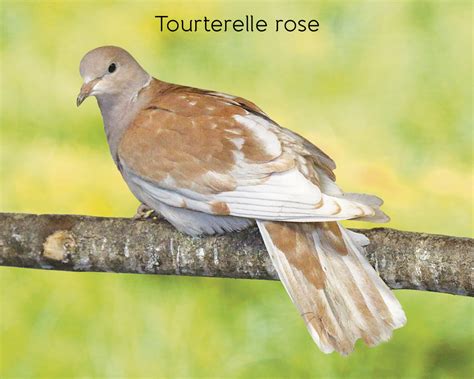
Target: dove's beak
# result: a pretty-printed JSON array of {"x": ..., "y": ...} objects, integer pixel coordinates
[{"x": 86, "y": 91}]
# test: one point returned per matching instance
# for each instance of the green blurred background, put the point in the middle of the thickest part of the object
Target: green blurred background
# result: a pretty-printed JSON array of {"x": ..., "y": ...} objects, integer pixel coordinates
[{"x": 385, "y": 88}]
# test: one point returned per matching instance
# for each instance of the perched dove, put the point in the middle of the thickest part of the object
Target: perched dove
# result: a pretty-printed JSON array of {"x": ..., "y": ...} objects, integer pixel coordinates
[{"x": 213, "y": 163}]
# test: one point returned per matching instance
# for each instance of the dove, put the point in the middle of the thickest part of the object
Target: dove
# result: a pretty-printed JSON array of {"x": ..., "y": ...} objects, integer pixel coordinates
[{"x": 213, "y": 163}]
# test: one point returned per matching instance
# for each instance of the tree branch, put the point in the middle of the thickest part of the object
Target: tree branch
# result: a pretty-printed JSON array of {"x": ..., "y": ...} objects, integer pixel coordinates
[{"x": 81, "y": 243}]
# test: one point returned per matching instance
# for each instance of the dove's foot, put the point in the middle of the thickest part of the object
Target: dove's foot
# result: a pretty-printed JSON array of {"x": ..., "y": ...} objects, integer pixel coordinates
[{"x": 144, "y": 212}]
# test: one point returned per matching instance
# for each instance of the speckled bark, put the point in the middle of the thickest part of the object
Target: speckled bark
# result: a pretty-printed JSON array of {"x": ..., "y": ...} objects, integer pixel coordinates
[{"x": 81, "y": 243}]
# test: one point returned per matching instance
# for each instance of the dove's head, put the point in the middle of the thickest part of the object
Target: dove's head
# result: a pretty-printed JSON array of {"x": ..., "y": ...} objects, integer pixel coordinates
[{"x": 110, "y": 72}]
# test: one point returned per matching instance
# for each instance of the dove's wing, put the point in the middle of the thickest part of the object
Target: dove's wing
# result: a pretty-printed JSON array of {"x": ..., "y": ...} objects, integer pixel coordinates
[{"x": 222, "y": 155}]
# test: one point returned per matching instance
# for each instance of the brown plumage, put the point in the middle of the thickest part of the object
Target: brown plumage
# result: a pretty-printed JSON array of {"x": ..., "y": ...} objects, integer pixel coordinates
[
  {"x": 213, "y": 163},
  {"x": 184, "y": 133}
]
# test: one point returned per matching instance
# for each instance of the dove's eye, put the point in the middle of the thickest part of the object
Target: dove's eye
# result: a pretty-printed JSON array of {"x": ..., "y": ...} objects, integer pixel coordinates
[{"x": 112, "y": 67}]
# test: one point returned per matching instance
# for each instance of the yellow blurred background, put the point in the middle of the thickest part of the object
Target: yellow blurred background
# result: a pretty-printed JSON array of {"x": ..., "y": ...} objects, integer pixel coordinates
[{"x": 385, "y": 88}]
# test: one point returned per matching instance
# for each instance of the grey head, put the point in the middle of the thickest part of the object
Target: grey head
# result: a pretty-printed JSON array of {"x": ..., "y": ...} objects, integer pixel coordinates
[
  {"x": 110, "y": 74},
  {"x": 115, "y": 78}
]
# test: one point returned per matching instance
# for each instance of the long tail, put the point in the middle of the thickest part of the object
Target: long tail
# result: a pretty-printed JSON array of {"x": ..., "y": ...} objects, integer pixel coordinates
[{"x": 337, "y": 292}]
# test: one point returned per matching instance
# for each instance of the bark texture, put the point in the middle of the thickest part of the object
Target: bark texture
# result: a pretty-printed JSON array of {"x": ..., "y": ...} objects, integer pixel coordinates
[{"x": 81, "y": 243}]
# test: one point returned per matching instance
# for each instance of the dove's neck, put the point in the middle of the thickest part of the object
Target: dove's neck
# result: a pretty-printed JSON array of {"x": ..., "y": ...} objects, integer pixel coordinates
[{"x": 119, "y": 110}]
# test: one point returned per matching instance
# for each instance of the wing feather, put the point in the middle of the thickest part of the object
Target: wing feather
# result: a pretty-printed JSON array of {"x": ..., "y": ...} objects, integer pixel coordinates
[{"x": 193, "y": 150}]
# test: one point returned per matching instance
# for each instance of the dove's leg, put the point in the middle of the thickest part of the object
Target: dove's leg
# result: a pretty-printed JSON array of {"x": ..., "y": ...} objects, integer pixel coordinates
[{"x": 144, "y": 212}]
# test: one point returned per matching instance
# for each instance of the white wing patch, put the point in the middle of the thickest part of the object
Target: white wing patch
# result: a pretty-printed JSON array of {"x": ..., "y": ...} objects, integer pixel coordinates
[
  {"x": 286, "y": 196},
  {"x": 289, "y": 196},
  {"x": 261, "y": 128}
]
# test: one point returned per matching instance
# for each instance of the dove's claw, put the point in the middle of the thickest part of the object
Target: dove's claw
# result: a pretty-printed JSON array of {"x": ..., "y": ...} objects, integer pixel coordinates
[{"x": 144, "y": 213}]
